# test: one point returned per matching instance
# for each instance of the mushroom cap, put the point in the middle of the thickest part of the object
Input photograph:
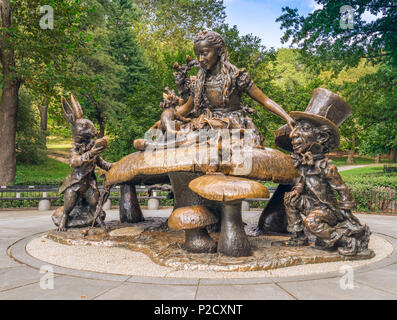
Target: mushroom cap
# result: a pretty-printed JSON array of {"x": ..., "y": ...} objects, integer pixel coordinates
[
  {"x": 187, "y": 218},
  {"x": 267, "y": 164},
  {"x": 227, "y": 188}
]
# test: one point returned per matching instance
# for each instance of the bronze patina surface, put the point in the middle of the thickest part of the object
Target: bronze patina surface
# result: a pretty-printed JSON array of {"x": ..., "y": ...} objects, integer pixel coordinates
[
  {"x": 79, "y": 190},
  {"x": 166, "y": 248},
  {"x": 311, "y": 205},
  {"x": 207, "y": 130},
  {"x": 267, "y": 165}
]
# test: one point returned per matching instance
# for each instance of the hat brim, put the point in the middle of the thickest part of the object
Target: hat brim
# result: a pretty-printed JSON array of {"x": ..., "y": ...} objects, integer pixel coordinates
[{"x": 281, "y": 136}]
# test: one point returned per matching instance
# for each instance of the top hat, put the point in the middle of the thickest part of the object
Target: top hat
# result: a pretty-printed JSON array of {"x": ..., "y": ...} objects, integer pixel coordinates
[{"x": 324, "y": 108}]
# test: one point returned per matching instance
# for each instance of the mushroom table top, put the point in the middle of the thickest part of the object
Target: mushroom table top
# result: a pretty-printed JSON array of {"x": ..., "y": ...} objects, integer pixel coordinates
[{"x": 264, "y": 164}]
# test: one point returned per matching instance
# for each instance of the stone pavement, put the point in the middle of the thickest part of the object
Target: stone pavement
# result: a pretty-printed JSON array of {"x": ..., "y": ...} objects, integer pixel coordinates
[{"x": 20, "y": 276}]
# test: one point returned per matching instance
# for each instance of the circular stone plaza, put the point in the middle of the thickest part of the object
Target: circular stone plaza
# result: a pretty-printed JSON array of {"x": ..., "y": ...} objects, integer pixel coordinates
[{"x": 34, "y": 266}]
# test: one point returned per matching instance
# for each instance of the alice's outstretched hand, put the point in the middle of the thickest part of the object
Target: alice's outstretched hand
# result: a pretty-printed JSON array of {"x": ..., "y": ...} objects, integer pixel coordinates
[{"x": 255, "y": 93}]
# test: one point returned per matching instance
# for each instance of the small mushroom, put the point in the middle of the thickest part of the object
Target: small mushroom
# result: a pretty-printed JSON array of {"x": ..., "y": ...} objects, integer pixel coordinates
[
  {"x": 193, "y": 220},
  {"x": 230, "y": 191}
]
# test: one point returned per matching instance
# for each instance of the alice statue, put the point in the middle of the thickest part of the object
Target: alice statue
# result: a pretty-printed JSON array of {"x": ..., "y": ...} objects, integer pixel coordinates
[
  {"x": 218, "y": 87},
  {"x": 213, "y": 99}
]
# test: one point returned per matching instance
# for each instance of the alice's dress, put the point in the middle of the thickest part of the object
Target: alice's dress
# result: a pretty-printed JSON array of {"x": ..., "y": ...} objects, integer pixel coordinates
[{"x": 226, "y": 115}]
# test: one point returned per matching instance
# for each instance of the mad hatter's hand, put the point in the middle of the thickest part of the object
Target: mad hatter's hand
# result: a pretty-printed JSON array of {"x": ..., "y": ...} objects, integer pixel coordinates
[{"x": 291, "y": 122}]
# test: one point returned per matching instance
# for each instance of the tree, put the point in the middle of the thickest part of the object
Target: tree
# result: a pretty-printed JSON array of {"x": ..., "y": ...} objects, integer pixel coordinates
[
  {"x": 176, "y": 21},
  {"x": 35, "y": 57},
  {"x": 30, "y": 143},
  {"x": 379, "y": 139},
  {"x": 325, "y": 43},
  {"x": 162, "y": 35}
]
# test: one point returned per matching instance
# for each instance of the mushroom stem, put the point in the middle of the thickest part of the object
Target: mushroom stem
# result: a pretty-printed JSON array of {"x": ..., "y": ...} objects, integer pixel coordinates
[
  {"x": 199, "y": 241},
  {"x": 232, "y": 240}
]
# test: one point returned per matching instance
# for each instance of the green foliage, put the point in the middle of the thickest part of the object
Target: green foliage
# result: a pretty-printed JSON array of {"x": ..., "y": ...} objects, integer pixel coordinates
[
  {"x": 162, "y": 35},
  {"x": 43, "y": 56},
  {"x": 373, "y": 98},
  {"x": 341, "y": 161},
  {"x": 326, "y": 45},
  {"x": 379, "y": 138},
  {"x": 174, "y": 22},
  {"x": 372, "y": 189},
  {"x": 369, "y": 178},
  {"x": 30, "y": 140},
  {"x": 289, "y": 83}
]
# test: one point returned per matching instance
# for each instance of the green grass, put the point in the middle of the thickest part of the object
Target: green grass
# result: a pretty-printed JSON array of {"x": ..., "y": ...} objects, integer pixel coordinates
[
  {"x": 59, "y": 146},
  {"x": 368, "y": 178},
  {"x": 341, "y": 161},
  {"x": 50, "y": 172}
]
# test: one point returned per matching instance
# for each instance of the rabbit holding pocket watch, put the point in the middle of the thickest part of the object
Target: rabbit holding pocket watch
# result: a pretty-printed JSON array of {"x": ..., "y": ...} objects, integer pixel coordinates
[{"x": 80, "y": 191}]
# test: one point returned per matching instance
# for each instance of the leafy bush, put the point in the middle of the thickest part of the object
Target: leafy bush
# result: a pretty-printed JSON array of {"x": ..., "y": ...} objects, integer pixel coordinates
[{"x": 372, "y": 189}]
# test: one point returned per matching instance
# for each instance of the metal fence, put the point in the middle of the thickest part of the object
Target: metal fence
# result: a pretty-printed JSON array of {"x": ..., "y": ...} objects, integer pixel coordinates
[
  {"x": 376, "y": 200},
  {"x": 34, "y": 194},
  {"x": 387, "y": 168},
  {"x": 10, "y": 195},
  {"x": 367, "y": 201}
]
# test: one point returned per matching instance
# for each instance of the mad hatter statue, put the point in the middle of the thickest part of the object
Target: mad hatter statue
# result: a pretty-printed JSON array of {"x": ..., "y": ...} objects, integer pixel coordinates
[{"x": 312, "y": 204}]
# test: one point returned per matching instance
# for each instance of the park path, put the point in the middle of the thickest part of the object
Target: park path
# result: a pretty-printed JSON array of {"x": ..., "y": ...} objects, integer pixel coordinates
[{"x": 354, "y": 166}]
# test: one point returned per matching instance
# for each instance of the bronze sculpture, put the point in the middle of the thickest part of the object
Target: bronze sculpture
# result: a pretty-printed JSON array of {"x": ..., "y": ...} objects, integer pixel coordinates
[
  {"x": 212, "y": 101},
  {"x": 230, "y": 191},
  {"x": 208, "y": 195},
  {"x": 312, "y": 205},
  {"x": 214, "y": 95},
  {"x": 80, "y": 191}
]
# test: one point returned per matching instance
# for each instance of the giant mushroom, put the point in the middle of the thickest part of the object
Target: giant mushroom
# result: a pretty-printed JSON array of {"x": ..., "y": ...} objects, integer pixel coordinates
[
  {"x": 194, "y": 220},
  {"x": 230, "y": 191}
]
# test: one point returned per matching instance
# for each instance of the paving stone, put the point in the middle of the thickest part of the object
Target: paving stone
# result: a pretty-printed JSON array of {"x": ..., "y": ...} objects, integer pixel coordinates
[
  {"x": 16, "y": 279},
  {"x": 7, "y": 262},
  {"x": 236, "y": 281},
  {"x": 18, "y": 276},
  {"x": 65, "y": 288},
  {"x": 383, "y": 279},
  {"x": 163, "y": 280},
  {"x": 242, "y": 292},
  {"x": 137, "y": 291},
  {"x": 326, "y": 289}
]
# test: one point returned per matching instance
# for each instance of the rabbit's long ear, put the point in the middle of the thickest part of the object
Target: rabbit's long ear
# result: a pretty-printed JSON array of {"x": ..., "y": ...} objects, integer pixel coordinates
[
  {"x": 68, "y": 110},
  {"x": 77, "y": 108}
]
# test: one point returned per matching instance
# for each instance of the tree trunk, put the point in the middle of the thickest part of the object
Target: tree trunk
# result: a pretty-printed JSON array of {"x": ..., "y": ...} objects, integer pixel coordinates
[
  {"x": 43, "y": 110},
  {"x": 9, "y": 99},
  {"x": 101, "y": 129},
  {"x": 393, "y": 156},
  {"x": 101, "y": 122},
  {"x": 377, "y": 158},
  {"x": 8, "y": 129},
  {"x": 350, "y": 157}
]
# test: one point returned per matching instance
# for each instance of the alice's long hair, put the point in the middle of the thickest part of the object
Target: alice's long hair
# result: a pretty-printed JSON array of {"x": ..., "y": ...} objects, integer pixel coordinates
[{"x": 229, "y": 72}]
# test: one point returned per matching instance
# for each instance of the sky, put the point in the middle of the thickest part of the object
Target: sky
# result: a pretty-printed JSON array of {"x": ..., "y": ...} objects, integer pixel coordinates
[{"x": 259, "y": 17}]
